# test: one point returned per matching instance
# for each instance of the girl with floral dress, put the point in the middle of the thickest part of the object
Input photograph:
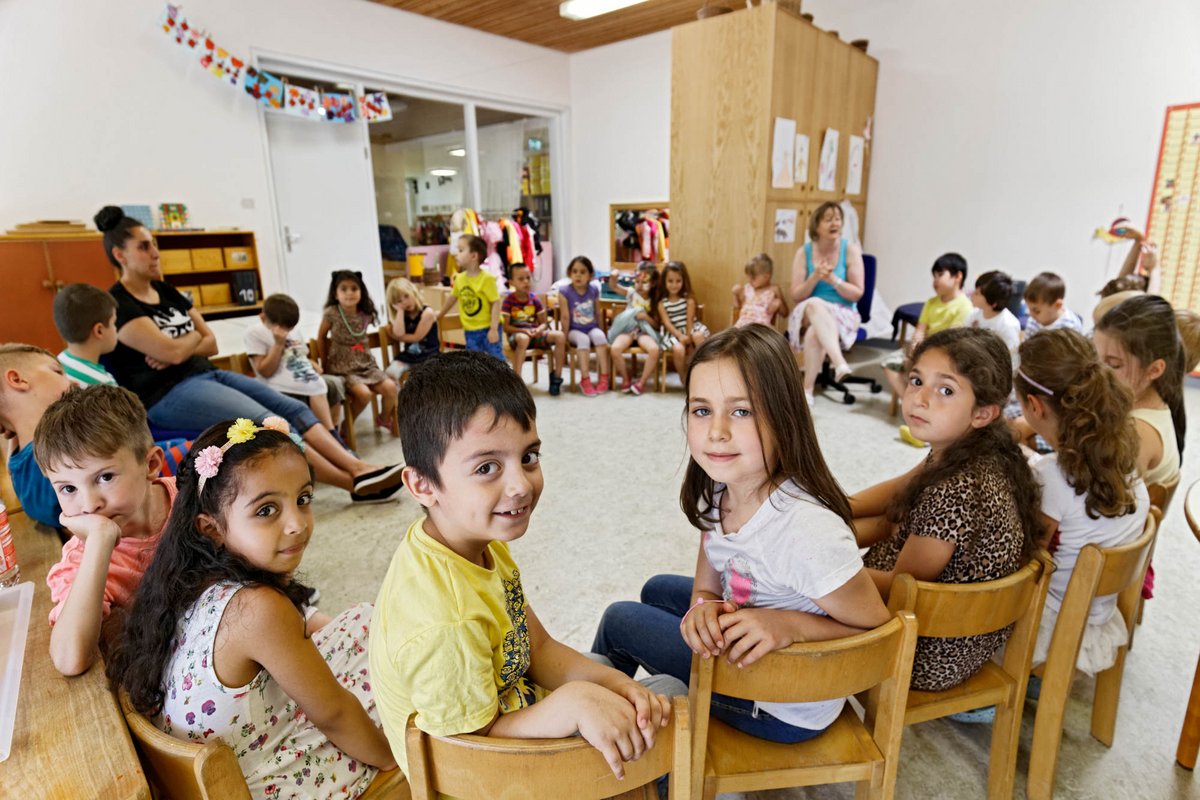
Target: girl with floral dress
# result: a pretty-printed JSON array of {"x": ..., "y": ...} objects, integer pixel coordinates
[
  {"x": 221, "y": 643},
  {"x": 344, "y": 340}
]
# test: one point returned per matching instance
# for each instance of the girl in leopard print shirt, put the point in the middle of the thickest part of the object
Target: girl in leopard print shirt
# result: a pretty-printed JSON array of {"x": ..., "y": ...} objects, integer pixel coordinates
[{"x": 967, "y": 513}]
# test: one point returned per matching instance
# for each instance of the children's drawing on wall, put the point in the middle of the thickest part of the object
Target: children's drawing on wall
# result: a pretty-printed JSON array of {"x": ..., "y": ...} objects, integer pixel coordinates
[
  {"x": 800, "y": 172},
  {"x": 785, "y": 225},
  {"x": 854, "y": 166},
  {"x": 781, "y": 153},
  {"x": 827, "y": 174},
  {"x": 301, "y": 102}
]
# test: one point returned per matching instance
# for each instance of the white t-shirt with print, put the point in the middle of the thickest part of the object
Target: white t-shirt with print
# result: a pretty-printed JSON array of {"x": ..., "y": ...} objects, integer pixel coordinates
[
  {"x": 1076, "y": 530},
  {"x": 296, "y": 373},
  {"x": 1004, "y": 325},
  {"x": 791, "y": 551}
]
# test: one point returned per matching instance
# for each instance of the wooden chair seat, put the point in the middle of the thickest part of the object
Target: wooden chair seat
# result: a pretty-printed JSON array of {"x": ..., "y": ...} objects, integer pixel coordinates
[
  {"x": 471, "y": 767},
  {"x": 844, "y": 752},
  {"x": 989, "y": 686}
]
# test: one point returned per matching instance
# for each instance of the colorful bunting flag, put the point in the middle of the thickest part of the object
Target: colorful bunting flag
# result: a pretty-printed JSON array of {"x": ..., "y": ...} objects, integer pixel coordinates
[
  {"x": 264, "y": 87},
  {"x": 301, "y": 102},
  {"x": 339, "y": 107},
  {"x": 374, "y": 107}
]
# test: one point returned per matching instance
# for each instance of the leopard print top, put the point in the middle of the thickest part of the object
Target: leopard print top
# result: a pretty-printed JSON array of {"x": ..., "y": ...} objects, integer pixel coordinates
[{"x": 975, "y": 510}]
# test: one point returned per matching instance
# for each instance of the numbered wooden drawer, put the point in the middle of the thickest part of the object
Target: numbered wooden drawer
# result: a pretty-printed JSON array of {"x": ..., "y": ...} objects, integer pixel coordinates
[
  {"x": 175, "y": 261},
  {"x": 215, "y": 294},
  {"x": 206, "y": 259},
  {"x": 239, "y": 258}
]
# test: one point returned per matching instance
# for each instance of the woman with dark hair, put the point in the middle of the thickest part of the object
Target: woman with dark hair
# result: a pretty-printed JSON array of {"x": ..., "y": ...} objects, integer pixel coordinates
[
  {"x": 827, "y": 282},
  {"x": 162, "y": 344}
]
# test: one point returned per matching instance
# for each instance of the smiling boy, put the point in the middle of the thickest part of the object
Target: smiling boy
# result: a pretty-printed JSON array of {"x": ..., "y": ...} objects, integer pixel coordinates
[
  {"x": 452, "y": 639},
  {"x": 94, "y": 445}
]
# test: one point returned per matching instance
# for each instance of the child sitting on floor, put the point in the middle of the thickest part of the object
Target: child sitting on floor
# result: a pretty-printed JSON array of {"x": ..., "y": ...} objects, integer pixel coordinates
[
  {"x": 636, "y": 325},
  {"x": 967, "y": 513},
  {"x": 280, "y": 360},
  {"x": 94, "y": 447},
  {"x": 525, "y": 323},
  {"x": 1045, "y": 298},
  {"x": 758, "y": 300},
  {"x": 453, "y": 639},
  {"x": 414, "y": 326},
  {"x": 30, "y": 380},
  {"x": 345, "y": 344},
  {"x": 778, "y": 562},
  {"x": 222, "y": 644},
  {"x": 86, "y": 318}
]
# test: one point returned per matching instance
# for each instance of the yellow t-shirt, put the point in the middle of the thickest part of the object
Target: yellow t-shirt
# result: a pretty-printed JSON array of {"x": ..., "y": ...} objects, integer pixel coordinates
[
  {"x": 448, "y": 640},
  {"x": 937, "y": 316},
  {"x": 475, "y": 297}
]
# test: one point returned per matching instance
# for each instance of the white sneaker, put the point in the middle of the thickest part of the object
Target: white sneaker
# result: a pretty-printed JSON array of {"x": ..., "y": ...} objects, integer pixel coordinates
[{"x": 812, "y": 401}]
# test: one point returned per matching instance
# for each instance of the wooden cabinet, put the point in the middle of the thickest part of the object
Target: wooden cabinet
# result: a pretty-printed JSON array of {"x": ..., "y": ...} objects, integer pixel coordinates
[
  {"x": 731, "y": 76},
  {"x": 34, "y": 268}
]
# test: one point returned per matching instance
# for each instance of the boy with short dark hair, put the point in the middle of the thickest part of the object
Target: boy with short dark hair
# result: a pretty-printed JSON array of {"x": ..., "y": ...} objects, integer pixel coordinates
[
  {"x": 1044, "y": 297},
  {"x": 86, "y": 318},
  {"x": 477, "y": 296},
  {"x": 948, "y": 308},
  {"x": 452, "y": 637},
  {"x": 993, "y": 291},
  {"x": 524, "y": 319},
  {"x": 280, "y": 360},
  {"x": 94, "y": 445}
]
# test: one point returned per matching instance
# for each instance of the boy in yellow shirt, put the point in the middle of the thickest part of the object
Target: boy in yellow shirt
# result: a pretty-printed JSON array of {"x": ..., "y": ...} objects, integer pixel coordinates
[
  {"x": 477, "y": 297},
  {"x": 453, "y": 640}
]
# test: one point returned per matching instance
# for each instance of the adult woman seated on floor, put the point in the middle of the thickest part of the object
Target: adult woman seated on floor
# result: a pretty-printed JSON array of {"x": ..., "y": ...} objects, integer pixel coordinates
[
  {"x": 827, "y": 282},
  {"x": 161, "y": 347}
]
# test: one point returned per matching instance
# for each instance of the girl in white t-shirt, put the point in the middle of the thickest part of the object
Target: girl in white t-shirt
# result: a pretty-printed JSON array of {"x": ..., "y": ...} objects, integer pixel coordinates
[
  {"x": 778, "y": 562},
  {"x": 1091, "y": 492}
]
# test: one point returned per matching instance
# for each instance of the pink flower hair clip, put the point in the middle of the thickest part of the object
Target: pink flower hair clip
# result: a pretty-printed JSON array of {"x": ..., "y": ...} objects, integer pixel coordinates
[{"x": 208, "y": 461}]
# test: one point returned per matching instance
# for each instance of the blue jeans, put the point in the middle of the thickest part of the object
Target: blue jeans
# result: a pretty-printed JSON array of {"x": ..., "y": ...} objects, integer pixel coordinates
[
  {"x": 646, "y": 635},
  {"x": 478, "y": 340},
  {"x": 215, "y": 396}
]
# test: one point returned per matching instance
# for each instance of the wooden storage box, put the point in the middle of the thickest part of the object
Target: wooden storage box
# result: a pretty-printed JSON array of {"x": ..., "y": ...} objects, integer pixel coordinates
[
  {"x": 207, "y": 258},
  {"x": 215, "y": 294},
  {"x": 239, "y": 258},
  {"x": 191, "y": 293},
  {"x": 172, "y": 261}
]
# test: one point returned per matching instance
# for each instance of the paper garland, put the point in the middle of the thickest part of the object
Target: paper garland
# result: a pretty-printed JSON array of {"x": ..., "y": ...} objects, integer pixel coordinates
[{"x": 270, "y": 90}]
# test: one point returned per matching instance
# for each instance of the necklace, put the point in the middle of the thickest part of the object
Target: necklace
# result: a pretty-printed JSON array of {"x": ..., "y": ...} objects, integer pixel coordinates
[{"x": 357, "y": 333}]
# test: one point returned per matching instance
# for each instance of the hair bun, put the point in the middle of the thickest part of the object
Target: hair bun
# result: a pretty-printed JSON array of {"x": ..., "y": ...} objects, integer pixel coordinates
[{"x": 107, "y": 218}]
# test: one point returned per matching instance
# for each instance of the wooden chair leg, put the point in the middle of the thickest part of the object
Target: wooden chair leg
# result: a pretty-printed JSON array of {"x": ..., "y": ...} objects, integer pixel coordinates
[
  {"x": 1047, "y": 727},
  {"x": 1106, "y": 700},
  {"x": 893, "y": 405},
  {"x": 348, "y": 423},
  {"x": 1189, "y": 737},
  {"x": 1006, "y": 735},
  {"x": 662, "y": 371}
]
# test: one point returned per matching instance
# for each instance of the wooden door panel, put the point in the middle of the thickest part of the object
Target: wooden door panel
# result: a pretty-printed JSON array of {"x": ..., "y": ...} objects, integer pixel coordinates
[
  {"x": 27, "y": 313},
  {"x": 80, "y": 261}
]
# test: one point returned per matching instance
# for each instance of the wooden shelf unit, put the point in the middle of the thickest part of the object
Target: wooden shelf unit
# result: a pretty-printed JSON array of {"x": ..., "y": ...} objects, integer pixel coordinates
[
  {"x": 731, "y": 76},
  {"x": 197, "y": 259}
]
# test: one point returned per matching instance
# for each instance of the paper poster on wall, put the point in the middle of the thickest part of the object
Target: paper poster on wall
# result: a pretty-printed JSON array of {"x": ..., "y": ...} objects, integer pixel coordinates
[
  {"x": 785, "y": 225},
  {"x": 827, "y": 174},
  {"x": 374, "y": 107},
  {"x": 301, "y": 102},
  {"x": 781, "y": 153},
  {"x": 265, "y": 87},
  {"x": 339, "y": 107},
  {"x": 800, "y": 172},
  {"x": 854, "y": 166}
]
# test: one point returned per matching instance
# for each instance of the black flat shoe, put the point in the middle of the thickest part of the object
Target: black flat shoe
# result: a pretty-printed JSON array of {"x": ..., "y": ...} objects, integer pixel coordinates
[{"x": 378, "y": 480}]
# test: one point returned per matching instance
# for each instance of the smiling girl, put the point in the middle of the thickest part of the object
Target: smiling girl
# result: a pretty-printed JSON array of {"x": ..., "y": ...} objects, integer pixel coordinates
[
  {"x": 220, "y": 644},
  {"x": 967, "y": 513}
]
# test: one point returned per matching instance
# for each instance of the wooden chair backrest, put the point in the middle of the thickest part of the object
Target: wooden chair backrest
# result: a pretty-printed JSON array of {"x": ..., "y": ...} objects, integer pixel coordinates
[
  {"x": 1162, "y": 493},
  {"x": 181, "y": 770},
  {"x": 1114, "y": 569},
  {"x": 507, "y": 769},
  {"x": 946, "y": 610},
  {"x": 1191, "y": 509}
]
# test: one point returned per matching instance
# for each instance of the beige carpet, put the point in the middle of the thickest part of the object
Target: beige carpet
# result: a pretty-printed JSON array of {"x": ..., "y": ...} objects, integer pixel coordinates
[{"x": 609, "y": 519}]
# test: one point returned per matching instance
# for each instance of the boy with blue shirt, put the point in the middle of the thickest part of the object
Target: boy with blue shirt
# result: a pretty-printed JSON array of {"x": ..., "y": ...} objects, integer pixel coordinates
[{"x": 453, "y": 640}]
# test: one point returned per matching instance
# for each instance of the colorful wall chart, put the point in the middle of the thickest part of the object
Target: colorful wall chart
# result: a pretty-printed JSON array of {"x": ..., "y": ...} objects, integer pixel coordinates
[{"x": 1174, "y": 222}]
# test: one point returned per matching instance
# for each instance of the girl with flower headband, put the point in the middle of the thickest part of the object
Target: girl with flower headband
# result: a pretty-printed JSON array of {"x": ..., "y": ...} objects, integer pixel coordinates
[{"x": 221, "y": 642}]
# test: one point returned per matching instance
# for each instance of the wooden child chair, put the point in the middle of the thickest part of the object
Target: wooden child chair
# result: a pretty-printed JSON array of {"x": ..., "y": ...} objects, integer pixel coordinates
[
  {"x": 1098, "y": 572},
  {"x": 556, "y": 309},
  {"x": 514, "y": 769},
  {"x": 1189, "y": 737},
  {"x": 633, "y": 352},
  {"x": 726, "y": 760},
  {"x": 966, "y": 609},
  {"x": 180, "y": 770},
  {"x": 666, "y": 355},
  {"x": 1161, "y": 495},
  {"x": 534, "y": 354},
  {"x": 314, "y": 352}
]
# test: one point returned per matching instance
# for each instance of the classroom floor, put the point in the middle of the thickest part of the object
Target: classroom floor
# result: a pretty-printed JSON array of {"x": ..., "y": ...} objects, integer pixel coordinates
[{"x": 609, "y": 519}]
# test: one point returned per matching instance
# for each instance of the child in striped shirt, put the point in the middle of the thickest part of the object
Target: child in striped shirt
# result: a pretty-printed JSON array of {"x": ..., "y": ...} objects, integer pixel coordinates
[{"x": 86, "y": 318}]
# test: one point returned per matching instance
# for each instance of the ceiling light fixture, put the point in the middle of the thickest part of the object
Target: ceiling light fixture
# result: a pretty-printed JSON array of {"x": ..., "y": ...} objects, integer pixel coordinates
[
  {"x": 586, "y": 9},
  {"x": 443, "y": 173},
  {"x": 457, "y": 152}
]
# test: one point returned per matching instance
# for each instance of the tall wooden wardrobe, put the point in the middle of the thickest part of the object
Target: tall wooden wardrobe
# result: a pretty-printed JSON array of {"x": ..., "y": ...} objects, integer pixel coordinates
[{"x": 731, "y": 76}]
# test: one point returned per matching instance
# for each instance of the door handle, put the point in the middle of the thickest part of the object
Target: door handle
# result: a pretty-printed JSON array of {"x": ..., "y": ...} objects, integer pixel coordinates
[
  {"x": 57, "y": 286},
  {"x": 290, "y": 238}
]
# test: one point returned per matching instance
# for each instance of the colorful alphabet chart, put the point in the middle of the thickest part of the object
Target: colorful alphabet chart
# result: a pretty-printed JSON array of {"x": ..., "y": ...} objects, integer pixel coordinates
[{"x": 1174, "y": 222}]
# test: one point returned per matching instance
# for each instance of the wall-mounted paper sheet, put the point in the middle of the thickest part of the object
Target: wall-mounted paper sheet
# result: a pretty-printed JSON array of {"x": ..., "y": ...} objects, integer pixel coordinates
[
  {"x": 854, "y": 168},
  {"x": 781, "y": 153},
  {"x": 800, "y": 173},
  {"x": 827, "y": 177},
  {"x": 785, "y": 225}
]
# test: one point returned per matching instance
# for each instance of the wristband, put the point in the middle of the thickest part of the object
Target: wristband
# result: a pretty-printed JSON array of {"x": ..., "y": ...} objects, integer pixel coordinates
[{"x": 699, "y": 602}]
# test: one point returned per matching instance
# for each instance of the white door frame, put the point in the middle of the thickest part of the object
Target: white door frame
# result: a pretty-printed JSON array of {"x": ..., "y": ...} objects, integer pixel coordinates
[{"x": 330, "y": 72}]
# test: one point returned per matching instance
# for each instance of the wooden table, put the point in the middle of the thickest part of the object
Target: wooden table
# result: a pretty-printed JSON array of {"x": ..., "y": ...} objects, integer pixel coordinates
[{"x": 70, "y": 740}]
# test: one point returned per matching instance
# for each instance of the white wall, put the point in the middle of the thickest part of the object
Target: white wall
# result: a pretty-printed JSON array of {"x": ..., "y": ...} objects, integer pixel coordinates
[
  {"x": 1009, "y": 131},
  {"x": 106, "y": 108},
  {"x": 620, "y": 128}
]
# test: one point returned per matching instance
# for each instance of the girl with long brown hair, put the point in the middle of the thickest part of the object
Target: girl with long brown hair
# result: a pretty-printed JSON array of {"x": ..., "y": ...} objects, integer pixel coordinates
[{"x": 777, "y": 563}]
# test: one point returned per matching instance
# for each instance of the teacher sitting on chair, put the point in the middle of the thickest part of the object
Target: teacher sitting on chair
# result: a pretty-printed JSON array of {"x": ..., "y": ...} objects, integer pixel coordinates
[{"x": 827, "y": 281}]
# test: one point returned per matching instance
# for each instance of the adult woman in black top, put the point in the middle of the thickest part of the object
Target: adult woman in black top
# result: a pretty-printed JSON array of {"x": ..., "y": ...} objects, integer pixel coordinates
[{"x": 162, "y": 344}]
